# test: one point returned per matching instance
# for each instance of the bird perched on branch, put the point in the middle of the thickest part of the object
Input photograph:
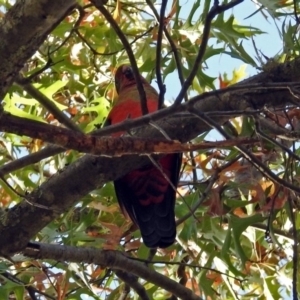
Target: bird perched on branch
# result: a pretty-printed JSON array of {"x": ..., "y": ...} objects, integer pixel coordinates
[{"x": 145, "y": 193}]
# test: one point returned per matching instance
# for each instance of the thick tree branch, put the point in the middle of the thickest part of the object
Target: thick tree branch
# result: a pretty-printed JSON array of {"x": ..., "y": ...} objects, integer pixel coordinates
[
  {"x": 19, "y": 41},
  {"x": 255, "y": 92},
  {"x": 106, "y": 146},
  {"x": 109, "y": 259}
]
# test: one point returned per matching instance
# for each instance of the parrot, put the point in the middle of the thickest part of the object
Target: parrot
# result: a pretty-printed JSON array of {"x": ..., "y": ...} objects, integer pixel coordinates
[{"x": 145, "y": 194}]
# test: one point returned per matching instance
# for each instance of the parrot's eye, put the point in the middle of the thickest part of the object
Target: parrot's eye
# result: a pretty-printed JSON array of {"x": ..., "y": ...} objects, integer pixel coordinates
[{"x": 128, "y": 73}]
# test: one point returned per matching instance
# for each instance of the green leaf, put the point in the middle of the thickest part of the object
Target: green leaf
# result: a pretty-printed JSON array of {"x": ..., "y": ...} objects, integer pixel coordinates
[
  {"x": 19, "y": 292},
  {"x": 14, "y": 106},
  {"x": 12, "y": 287},
  {"x": 49, "y": 91},
  {"x": 238, "y": 226},
  {"x": 272, "y": 287},
  {"x": 189, "y": 19},
  {"x": 100, "y": 106},
  {"x": 224, "y": 254}
]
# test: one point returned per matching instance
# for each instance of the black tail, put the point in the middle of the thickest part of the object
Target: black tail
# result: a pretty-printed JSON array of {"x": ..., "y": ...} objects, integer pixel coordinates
[{"x": 149, "y": 199}]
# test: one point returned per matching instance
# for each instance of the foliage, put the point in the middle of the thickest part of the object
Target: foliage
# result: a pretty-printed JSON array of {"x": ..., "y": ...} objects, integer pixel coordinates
[{"x": 239, "y": 242}]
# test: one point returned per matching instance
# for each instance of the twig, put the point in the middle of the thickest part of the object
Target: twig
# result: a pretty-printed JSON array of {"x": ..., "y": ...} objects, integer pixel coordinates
[
  {"x": 160, "y": 130},
  {"x": 181, "y": 271},
  {"x": 264, "y": 227},
  {"x": 48, "y": 64},
  {"x": 271, "y": 214},
  {"x": 106, "y": 146},
  {"x": 274, "y": 126},
  {"x": 249, "y": 156},
  {"x": 295, "y": 249},
  {"x": 156, "y": 164},
  {"x": 172, "y": 45},
  {"x": 24, "y": 196},
  {"x": 76, "y": 25},
  {"x": 30, "y": 289},
  {"x": 124, "y": 293},
  {"x": 193, "y": 163},
  {"x": 114, "y": 52},
  {"x": 215, "y": 10},
  {"x": 193, "y": 209},
  {"x": 273, "y": 141},
  {"x": 30, "y": 159},
  {"x": 295, "y": 12},
  {"x": 162, "y": 87},
  {"x": 132, "y": 281},
  {"x": 47, "y": 103},
  {"x": 176, "y": 263},
  {"x": 211, "y": 182},
  {"x": 99, "y": 5}
]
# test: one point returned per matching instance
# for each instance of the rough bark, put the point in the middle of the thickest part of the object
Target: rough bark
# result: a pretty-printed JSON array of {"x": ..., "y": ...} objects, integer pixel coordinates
[
  {"x": 110, "y": 259},
  {"x": 22, "y": 31}
]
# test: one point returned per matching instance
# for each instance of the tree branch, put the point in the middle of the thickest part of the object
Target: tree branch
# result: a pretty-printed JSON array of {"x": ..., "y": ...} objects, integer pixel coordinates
[
  {"x": 132, "y": 281},
  {"x": 99, "y": 5},
  {"x": 19, "y": 42},
  {"x": 46, "y": 102},
  {"x": 106, "y": 146},
  {"x": 215, "y": 10},
  {"x": 252, "y": 158},
  {"x": 109, "y": 259},
  {"x": 162, "y": 87},
  {"x": 172, "y": 45},
  {"x": 30, "y": 159}
]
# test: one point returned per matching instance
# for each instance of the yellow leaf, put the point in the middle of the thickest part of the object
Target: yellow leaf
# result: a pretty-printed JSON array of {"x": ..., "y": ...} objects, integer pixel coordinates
[
  {"x": 239, "y": 74},
  {"x": 110, "y": 209},
  {"x": 101, "y": 49},
  {"x": 117, "y": 12}
]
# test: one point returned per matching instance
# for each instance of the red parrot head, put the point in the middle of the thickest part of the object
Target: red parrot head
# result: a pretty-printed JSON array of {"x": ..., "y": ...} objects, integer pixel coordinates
[{"x": 124, "y": 78}]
